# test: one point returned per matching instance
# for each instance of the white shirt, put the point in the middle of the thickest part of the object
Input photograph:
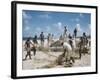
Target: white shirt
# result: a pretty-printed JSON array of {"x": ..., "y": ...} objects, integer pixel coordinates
[{"x": 67, "y": 46}]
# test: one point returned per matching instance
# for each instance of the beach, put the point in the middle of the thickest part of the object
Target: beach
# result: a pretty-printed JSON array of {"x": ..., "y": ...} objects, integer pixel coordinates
[{"x": 48, "y": 59}]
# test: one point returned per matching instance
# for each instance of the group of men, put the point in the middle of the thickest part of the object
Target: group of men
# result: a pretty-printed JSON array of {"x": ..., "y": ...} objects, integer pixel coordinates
[
  {"x": 49, "y": 39},
  {"x": 67, "y": 35},
  {"x": 34, "y": 42}
]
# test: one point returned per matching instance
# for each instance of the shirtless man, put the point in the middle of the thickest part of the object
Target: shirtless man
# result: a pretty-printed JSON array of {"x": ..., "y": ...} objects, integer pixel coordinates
[{"x": 28, "y": 48}]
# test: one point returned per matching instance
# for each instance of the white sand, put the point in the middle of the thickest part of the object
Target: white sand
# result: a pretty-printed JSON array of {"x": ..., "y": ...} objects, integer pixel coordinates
[
  {"x": 43, "y": 60},
  {"x": 46, "y": 59},
  {"x": 40, "y": 60}
]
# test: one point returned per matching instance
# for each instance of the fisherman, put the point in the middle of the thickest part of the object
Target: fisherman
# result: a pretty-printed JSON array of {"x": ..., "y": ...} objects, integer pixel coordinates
[
  {"x": 65, "y": 34},
  {"x": 34, "y": 49},
  {"x": 73, "y": 46},
  {"x": 42, "y": 38},
  {"x": 52, "y": 36},
  {"x": 68, "y": 52},
  {"x": 80, "y": 47},
  {"x": 34, "y": 45},
  {"x": 61, "y": 37},
  {"x": 65, "y": 30},
  {"x": 69, "y": 36},
  {"x": 28, "y": 48},
  {"x": 49, "y": 39},
  {"x": 85, "y": 40},
  {"x": 70, "y": 40},
  {"x": 35, "y": 39},
  {"x": 75, "y": 32}
]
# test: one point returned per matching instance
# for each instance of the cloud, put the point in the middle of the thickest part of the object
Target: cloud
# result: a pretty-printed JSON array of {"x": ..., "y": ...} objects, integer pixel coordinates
[
  {"x": 78, "y": 27},
  {"x": 75, "y": 20},
  {"x": 45, "y": 15},
  {"x": 38, "y": 29},
  {"x": 81, "y": 15},
  {"x": 27, "y": 28},
  {"x": 89, "y": 29},
  {"x": 59, "y": 26},
  {"x": 48, "y": 28},
  {"x": 26, "y": 16},
  {"x": 58, "y": 29}
]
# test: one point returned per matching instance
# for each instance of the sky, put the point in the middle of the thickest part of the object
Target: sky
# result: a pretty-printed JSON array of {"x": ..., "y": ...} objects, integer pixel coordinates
[{"x": 35, "y": 22}]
